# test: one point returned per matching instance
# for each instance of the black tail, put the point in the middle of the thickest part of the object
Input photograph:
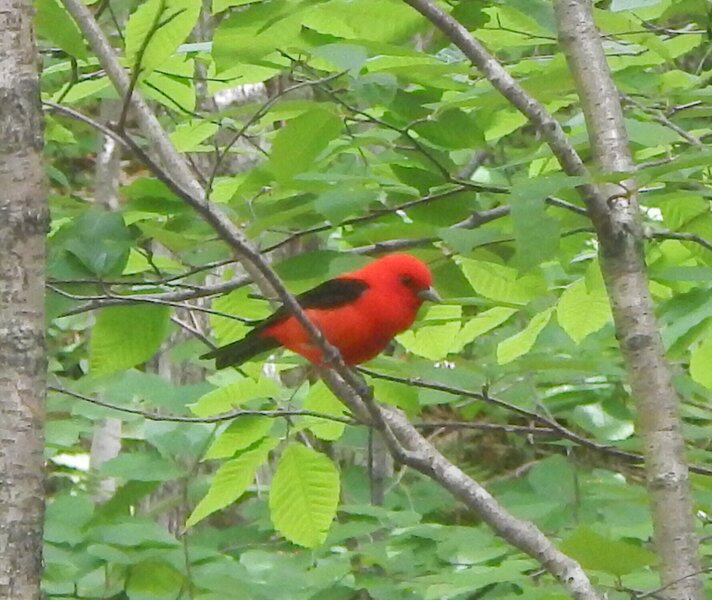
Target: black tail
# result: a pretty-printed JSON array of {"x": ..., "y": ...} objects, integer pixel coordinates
[{"x": 238, "y": 352}]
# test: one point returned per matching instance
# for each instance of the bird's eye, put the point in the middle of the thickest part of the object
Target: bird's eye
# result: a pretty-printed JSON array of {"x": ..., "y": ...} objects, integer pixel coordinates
[{"x": 407, "y": 280}]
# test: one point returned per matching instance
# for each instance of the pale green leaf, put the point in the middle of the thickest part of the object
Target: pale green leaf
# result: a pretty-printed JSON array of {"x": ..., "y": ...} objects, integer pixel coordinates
[
  {"x": 172, "y": 92},
  {"x": 255, "y": 31},
  {"x": 231, "y": 480},
  {"x": 376, "y": 20},
  {"x": 221, "y": 5},
  {"x": 165, "y": 23},
  {"x": 188, "y": 136},
  {"x": 434, "y": 341},
  {"x": 404, "y": 397},
  {"x": 321, "y": 399},
  {"x": 154, "y": 579},
  {"x": 240, "y": 434},
  {"x": 600, "y": 553},
  {"x": 233, "y": 394},
  {"x": 304, "y": 495},
  {"x": 583, "y": 309},
  {"x": 481, "y": 324},
  {"x": 84, "y": 90},
  {"x": 501, "y": 283},
  {"x": 126, "y": 336},
  {"x": 520, "y": 343},
  {"x": 54, "y": 23},
  {"x": 236, "y": 303},
  {"x": 701, "y": 362}
]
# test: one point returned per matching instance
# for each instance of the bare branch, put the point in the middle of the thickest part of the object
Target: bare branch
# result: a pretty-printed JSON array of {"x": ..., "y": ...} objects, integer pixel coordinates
[
  {"x": 169, "y": 298},
  {"x": 548, "y": 424},
  {"x": 659, "y": 117}
]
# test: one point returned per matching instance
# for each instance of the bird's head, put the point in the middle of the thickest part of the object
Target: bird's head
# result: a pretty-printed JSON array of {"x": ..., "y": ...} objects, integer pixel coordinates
[{"x": 406, "y": 274}]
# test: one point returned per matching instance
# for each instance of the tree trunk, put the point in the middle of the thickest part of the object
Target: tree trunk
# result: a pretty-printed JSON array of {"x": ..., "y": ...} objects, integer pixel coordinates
[
  {"x": 622, "y": 263},
  {"x": 23, "y": 226}
]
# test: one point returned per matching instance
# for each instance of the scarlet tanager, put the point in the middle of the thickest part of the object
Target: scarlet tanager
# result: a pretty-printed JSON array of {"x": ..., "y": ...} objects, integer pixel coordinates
[{"x": 358, "y": 312}]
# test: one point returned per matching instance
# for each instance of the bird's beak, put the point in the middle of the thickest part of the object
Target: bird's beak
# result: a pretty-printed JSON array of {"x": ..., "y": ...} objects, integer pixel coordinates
[{"x": 429, "y": 294}]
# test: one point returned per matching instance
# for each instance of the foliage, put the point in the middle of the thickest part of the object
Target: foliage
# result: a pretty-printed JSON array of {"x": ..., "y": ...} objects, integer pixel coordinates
[{"x": 388, "y": 140}]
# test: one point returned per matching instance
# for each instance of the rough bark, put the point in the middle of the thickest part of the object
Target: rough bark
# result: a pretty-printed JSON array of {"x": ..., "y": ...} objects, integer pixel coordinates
[
  {"x": 23, "y": 225},
  {"x": 620, "y": 235},
  {"x": 403, "y": 441}
]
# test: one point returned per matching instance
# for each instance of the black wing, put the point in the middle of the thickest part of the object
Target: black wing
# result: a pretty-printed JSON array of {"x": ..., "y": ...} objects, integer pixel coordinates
[{"x": 330, "y": 294}]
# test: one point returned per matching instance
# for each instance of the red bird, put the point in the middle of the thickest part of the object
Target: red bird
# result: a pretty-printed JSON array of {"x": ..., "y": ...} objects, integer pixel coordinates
[{"x": 358, "y": 312}]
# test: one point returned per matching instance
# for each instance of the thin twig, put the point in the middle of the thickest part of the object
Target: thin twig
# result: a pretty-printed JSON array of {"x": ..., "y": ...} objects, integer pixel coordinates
[
  {"x": 545, "y": 421},
  {"x": 226, "y": 416}
]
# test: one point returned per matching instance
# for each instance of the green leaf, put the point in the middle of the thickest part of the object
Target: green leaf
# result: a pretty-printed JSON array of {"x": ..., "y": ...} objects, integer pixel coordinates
[
  {"x": 620, "y": 5},
  {"x": 536, "y": 233},
  {"x": 321, "y": 399},
  {"x": 376, "y": 20},
  {"x": 237, "y": 303},
  {"x": 304, "y": 495},
  {"x": 684, "y": 314},
  {"x": 520, "y": 343},
  {"x": 297, "y": 145},
  {"x": 554, "y": 477},
  {"x": 221, "y": 5},
  {"x": 240, "y": 434},
  {"x": 597, "y": 552},
  {"x": 701, "y": 362},
  {"x": 464, "y": 240},
  {"x": 126, "y": 336},
  {"x": 167, "y": 22},
  {"x": 187, "y": 137},
  {"x": 501, "y": 283},
  {"x": 337, "y": 204},
  {"x": 231, "y": 480},
  {"x": 434, "y": 341},
  {"x": 453, "y": 129},
  {"x": 343, "y": 56},
  {"x": 66, "y": 518},
  {"x": 596, "y": 420},
  {"x": 100, "y": 240},
  {"x": 88, "y": 89},
  {"x": 153, "y": 578},
  {"x": 405, "y": 397},
  {"x": 650, "y": 134},
  {"x": 256, "y": 31},
  {"x": 583, "y": 307},
  {"x": 133, "y": 531},
  {"x": 480, "y": 325},
  {"x": 54, "y": 23},
  {"x": 233, "y": 394},
  {"x": 142, "y": 466}
]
